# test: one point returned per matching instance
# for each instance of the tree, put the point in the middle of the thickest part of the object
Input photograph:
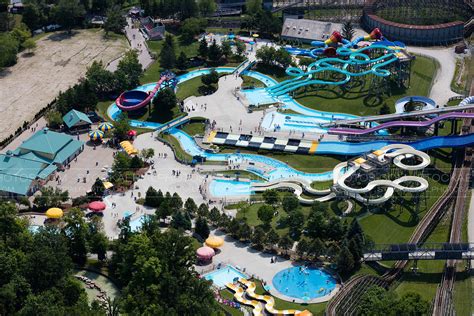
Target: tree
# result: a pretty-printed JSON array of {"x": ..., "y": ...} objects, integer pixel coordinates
[
  {"x": 271, "y": 239},
  {"x": 164, "y": 102},
  {"x": 271, "y": 197},
  {"x": 211, "y": 78},
  {"x": 129, "y": 70},
  {"x": 214, "y": 215},
  {"x": 316, "y": 248},
  {"x": 136, "y": 163},
  {"x": 115, "y": 22},
  {"x": 182, "y": 61},
  {"x": 285, "y": 243},
  {"x": 101, "y": 80},
  {"x": 348, "y": 30},
  {"x": 181, "y": 221},
  {"x": 377, "y": 301},
  {"x": 266, "y": 55},
  {"x": 335, "y": 229},
  {"x": 190, "y": 206},
  {"x": 345, "y": 261},
  {"x": 50, "y": 197},
  {"x": 98, "y": 188},
  {"x": 240, "y": 48},
  {"x": 33, "y": 15},
  {"x": 253, "y": 6},
  {"x": 207, "y": 7},
  {"x": 21, "y": 33},
  {"x": 203, "y": 210},
  {"x": 29, "y": 45},
  {"x": 316, "y": 225},
  {"x": 153, "y": 198},
  {"x": 385, "y": 109},
  {"x": 226, "y": 49},
  {"x": 265, "y": 214},
  {"x": 302, "y": 247},
  {"x": 290, "y": 203},
  {"x": 203, "y": 49},
  {"x": 121, "y": 127},
  {"x": 67, "y": 11},
  {"x": 8, "y": 50},
  {"x": 295, "y": 223},
  {"x": 258, "y": 237},
  {"x": 147, "y": 153},
  {"x": 201, "y": 228},
  {"x": 167, "y": 56},
  {"x": 412, "y": 304},
  {"x": 98, "y": 244},
  {"x": 76, "y": 234},
  {"x": 283, "y": 57},
  {"x": 191, "y": 28},
  {"x": 54, "y": 119},
  {"x": 215, "y": 52}
]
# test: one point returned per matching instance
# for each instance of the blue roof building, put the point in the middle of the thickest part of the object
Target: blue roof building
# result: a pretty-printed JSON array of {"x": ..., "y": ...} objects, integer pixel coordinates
[
  {"x": 76, "y": 120},
  {"x": 33, "y": 163}
]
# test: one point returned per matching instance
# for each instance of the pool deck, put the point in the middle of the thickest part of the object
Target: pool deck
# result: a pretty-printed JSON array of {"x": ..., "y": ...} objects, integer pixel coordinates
[{"x": 256, "y": 264}]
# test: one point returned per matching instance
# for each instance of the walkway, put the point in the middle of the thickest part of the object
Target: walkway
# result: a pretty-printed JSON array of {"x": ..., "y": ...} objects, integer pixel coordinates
[{"x": 138, "y": 42}]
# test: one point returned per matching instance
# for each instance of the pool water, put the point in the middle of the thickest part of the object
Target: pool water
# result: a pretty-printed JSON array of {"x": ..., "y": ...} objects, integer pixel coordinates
[
  {"x": 136, "y": 224},
  {"x": 224, "y": 275},
  {"x": 224, "y": 187},
  {"x": 304, "y": 283}
]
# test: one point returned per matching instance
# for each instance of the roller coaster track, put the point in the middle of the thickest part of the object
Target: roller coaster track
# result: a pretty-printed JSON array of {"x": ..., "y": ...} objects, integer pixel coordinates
[
  {"x": 345, "y": 301},
  {"x": 443, "y": 303}
]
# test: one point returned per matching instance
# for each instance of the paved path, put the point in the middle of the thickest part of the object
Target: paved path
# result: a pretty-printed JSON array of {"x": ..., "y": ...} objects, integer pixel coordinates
[
  {"x": 470, "y": 222},
  {"x": 441, "y": 89},
  {"x": 138, "y": 42}
]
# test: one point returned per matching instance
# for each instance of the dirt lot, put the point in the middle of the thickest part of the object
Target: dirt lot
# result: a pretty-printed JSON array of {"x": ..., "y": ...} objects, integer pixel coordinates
[{"x": 58, "y": 62}]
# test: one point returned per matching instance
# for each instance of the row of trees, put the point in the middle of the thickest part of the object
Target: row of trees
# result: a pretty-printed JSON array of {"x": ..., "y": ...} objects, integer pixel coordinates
[
  {"x": 272, "y": 57},
  {"x": 12, "y": 42},
  {"x": 36, "y": 269}
]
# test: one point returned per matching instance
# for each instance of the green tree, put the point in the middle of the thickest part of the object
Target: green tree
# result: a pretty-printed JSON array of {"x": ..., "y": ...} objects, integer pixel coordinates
[
  {"x": 181, "y": 221},
  {"x": 266, "y": 55},
  {"x": 412, "y": 304},
  {"x": 75, "y": 231},
  {"x": 29, "y": 45},
  {"x": 21, "y": 33},
  {"x": 121, "y": 127},
  {"x": 54, "y": 119},
  {"x": 203, "y": 210},
  {"x": 285, "y": 243},
  {"x": 190, "y": 206},
  {"x": 50, "y": 197},
  {"x": 302, "y": 247},
  {"x": 129, "y": 69},
  {"x": 214, "y": 215},
  {"x": 211, "y": 78},
  {"x": 98, "y": 244},
  {"x": 201, "y": 228},
  {"x": 290, "y": 203},
  {"x": 282, "y": 57},
  {"x": 98, "y": 188},
  {"x": 226, "y": 49},
  {"x": 272, "y": 239},
  {"x": 167, "y": 56},
  {"x": 265, "y": 214},
  {"x": 271, "y": 197},
  {"x": 295, "y": 223},
  {"x": 8, "y": 50},
  {"x": 348, "y": 30},
  {"x": 67, "y": 11},
  {"x": 207, "y": 7},
  {"x": 164, "y": 102},
  {"x": 316, "y": 248},
  {"x": 253, "y": 6},
  {"x": 191, "y": 28},
  {"x": 115, "y": 22},
  {"x": 102, "y": 81},
  {"x": 203, "y": 49},
  {"x": 33, "y": 15},
  {"x": 240, "y": 48},
  {"x": 182, "y": 61},
  {"x": 215, "y": 52},
  {"x": 258, "y": 237},
  {"x": 345, "y": 261},
  {"x": 377, "y": 301}
]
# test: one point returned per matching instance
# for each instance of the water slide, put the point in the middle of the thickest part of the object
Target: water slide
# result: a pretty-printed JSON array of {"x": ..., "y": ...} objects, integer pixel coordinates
[
  {"x": 135, "y": 99},
  {"x": 362, "y": 131},
  {"x": 398, "y": 153},
  {"x": 268, "y": 300}
]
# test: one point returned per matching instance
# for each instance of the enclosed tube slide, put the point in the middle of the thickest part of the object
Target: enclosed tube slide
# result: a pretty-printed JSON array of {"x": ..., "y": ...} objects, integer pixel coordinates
[{"x": 135, "y": 99}]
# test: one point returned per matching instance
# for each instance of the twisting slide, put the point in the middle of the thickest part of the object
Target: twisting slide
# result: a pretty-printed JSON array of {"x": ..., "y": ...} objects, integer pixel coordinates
[
  {"x": 396, "y": 153},
  {"x": 268, "y": 301}
]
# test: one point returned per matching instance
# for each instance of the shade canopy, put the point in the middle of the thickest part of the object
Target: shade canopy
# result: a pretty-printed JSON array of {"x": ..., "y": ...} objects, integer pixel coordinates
[
  {"x": 97, "y": 206},
  {"x": 132, "y": 132},
  {"x": 255, "y": 35},
  {"x": 107, "y": 185},
  {"x": 128, "y": 147},
  {"x": 214, "y": 242},
  {"x": 54, "y": 212},
  {"x": 96, "y": 135},
  {"x": 106, "y": 126},
  {"x": 205, "y": 253}
]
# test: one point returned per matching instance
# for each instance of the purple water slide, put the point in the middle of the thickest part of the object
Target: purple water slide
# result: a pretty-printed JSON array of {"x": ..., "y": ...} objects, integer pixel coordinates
[{"x": 357, "y": 131}]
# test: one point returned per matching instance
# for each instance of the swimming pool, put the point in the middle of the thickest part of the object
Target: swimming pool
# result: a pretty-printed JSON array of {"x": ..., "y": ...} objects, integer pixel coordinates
[
  {"x": 224, "y": 275},
  {"x": 227, "y": 187},
  {"x": 136, "y": 224},
  {"x": 304, "y": 283}
]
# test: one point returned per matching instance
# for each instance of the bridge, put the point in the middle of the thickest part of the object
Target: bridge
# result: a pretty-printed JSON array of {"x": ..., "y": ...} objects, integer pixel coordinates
[{"x": 426, "y": 251}]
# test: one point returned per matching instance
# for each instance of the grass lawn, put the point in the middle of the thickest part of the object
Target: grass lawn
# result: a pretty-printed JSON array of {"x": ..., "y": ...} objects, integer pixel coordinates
[
  {"x": 306, "y": 163},
  {"x": 396, "y": 224},
  {"x": 323, "y": 185},
  {"x": 275, "y": 72},
  {"x": 249, "y": 82},
  {"x": 242, "y": 174},
  {"x": 194, "y": 128},
  {"x": 179, "y": 152},
  {"x": 356, "y": 100},
  {"x": 190, "y": 88}
]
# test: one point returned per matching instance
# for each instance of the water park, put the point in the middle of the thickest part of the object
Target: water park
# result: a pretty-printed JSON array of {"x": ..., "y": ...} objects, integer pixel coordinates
[{"x": 287, "y": 177}]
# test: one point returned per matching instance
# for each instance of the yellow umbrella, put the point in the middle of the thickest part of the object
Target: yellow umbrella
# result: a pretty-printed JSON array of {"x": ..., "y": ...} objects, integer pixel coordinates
[
  {"x": 54, "y": 212},
  {"x": 255, "y": 35},
  {"x": 214, "y": 242}
]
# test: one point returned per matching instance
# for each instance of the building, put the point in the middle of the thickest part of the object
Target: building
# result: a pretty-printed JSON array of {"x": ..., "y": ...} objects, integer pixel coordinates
[
  {"x": 153, "y": 30},
  {"x": 77, "y": 121},
  {"x": 35, "y": 161},
  {"x": 306, "y": 31},
  {"x": 240, "y": 4}
]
